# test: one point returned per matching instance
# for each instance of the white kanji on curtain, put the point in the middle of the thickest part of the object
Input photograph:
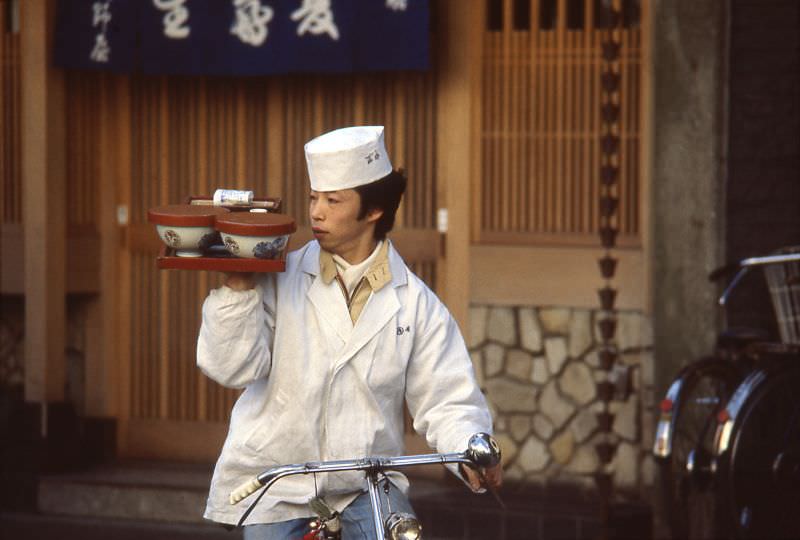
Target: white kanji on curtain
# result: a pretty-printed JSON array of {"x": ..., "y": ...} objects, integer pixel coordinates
[
  {"x": 251, "y": 21},
  {"x": 316, "y": 16},
  {"x": 397, "y": 5},
  {"x": 175, "y": 26},
  {"x": 101, "y": 52},
  {"x": 101, "y": 12},
  {"x": 101, "y": 16}
]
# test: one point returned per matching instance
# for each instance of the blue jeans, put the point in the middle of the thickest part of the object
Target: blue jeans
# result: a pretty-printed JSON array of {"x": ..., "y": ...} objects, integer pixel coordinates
[{"x": 356, "y": 519}]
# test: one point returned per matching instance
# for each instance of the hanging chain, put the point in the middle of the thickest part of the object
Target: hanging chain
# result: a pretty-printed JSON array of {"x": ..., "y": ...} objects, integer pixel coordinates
[{"x": 610, "y": 166}]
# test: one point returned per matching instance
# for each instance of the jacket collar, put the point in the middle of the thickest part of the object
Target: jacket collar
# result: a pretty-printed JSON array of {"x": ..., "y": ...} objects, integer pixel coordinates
[
  {"x": 329, "y": 304},
  {"x": 387, "y": 268}
]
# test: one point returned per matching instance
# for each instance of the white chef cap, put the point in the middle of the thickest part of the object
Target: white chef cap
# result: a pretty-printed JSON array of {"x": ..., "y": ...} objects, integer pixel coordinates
[{"x": 346, "y": 158}]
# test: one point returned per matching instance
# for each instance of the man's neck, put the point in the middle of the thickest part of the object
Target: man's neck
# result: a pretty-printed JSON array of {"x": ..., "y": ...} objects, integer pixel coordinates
[{"x": 358, "y": 253}]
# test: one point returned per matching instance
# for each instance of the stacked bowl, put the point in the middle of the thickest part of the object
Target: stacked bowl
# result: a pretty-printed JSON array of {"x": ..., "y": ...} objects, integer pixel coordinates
[{"x": 196, "y": 230}]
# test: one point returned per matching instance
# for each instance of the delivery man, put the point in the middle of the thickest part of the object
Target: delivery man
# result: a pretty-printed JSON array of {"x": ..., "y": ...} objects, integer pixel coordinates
[{"x": 328, "y": 351}]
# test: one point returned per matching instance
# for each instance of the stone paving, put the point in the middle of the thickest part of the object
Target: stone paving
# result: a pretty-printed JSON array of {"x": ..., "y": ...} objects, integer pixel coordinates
[{"x": 539, "y": 368}]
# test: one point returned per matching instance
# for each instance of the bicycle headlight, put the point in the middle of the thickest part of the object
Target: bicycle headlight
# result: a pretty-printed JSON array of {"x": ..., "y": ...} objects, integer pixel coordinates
[{"x": 402, "y": 526}]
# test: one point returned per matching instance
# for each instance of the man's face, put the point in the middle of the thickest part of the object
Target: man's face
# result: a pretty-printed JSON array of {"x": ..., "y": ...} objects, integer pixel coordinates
[{"x": 334, "y": 220}]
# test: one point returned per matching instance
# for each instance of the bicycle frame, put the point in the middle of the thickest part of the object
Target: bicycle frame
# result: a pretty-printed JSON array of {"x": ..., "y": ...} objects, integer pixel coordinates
[{"x": 482, "y": 451}]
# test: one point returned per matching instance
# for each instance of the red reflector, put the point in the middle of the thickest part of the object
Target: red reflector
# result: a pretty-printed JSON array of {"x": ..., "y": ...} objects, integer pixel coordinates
[
  {"x": 723, "y": 416},
  {"x": 666, "y": 405}
]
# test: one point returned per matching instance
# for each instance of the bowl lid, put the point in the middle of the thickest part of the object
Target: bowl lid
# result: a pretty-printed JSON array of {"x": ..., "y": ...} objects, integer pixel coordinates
[
  {"x": 185, "y": 215},
  {"x": 256, "y": 224}
]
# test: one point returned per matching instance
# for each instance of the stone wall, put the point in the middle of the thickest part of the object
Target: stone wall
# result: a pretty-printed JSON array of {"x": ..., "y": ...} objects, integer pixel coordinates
[{"x": 539, "y": 368}]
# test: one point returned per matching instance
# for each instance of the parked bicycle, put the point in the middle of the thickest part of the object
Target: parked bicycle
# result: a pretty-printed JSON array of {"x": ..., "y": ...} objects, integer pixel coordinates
[
  {"x": 729, "y": 427},
  {"x": 482, "y": 451},
  {"x": 757, "y": 450}
]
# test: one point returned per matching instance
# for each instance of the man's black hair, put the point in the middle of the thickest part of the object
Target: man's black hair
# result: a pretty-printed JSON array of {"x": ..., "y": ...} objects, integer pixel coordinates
[{"x": 385, "y": 195}]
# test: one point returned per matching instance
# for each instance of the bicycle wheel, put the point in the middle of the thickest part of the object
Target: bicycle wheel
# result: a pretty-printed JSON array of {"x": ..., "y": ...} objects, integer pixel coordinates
[
  {"x": 763, "y": 471},
  {"x": 689, "y": 500}
]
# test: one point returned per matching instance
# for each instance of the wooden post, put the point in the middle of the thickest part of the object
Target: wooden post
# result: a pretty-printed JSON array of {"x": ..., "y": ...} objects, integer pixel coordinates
[
  {"x": 121, "y": 170},
  {"x": 102, "y": 352},
  {"x": 276, "y": 139},
  {"x": 44, "y": 195},
  {"x": 456, "y": 65},
  {"x": 646, "y": 159}
]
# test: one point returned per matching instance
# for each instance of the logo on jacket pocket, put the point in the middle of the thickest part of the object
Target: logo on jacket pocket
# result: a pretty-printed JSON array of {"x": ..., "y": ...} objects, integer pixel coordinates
[{"x": 401, "y": 330}]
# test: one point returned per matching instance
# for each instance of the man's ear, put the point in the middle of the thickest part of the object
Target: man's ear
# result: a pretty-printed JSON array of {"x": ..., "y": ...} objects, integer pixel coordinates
[{"x": 373, "y": 215}]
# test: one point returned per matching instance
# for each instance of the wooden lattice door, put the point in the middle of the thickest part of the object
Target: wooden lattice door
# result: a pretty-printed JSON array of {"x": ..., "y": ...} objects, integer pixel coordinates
[{"x": 192, "y": 135}]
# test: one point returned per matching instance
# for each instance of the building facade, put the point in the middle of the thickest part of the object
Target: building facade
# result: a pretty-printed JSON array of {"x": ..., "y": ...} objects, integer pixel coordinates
[{"x": 505, "y": 140}]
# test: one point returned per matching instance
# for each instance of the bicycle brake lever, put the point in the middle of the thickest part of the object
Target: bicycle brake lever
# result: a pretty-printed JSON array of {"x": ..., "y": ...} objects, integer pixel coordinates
[
  {"x": 491, "y": 489},
  {"x": 250, "y": 509}
]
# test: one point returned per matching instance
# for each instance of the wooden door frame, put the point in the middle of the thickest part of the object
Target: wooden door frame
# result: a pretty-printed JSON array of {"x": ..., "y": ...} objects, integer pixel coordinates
[
  {"x": 122, "y": 90},
  {"x": 43, "y": 162}
]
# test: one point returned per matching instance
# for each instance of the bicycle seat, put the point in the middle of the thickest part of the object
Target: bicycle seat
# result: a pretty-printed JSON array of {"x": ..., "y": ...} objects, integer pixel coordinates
[{"x": 736, "y": 339}]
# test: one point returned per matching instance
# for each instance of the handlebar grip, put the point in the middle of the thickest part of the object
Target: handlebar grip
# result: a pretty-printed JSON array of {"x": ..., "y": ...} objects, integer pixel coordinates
[
  {"x": 244, "y": 491},
  {"x": 483, "y": 450}
]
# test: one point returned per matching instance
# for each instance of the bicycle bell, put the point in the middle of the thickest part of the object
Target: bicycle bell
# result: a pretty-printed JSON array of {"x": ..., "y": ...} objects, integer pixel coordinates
[
  {"x": 402, "y": 526},
  {"x": 482, "y": 449}
]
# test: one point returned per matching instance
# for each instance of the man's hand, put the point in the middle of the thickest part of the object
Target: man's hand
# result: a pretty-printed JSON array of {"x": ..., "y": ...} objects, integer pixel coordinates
[
  {"x": 493, "y": 476},
  {"x": 240, "y": 281}
]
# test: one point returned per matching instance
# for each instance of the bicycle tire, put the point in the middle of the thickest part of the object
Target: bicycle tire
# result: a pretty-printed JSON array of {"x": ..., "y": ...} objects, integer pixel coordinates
[
  {"x": 689, "y": 501},
  {"x": 763, "y": 468}
]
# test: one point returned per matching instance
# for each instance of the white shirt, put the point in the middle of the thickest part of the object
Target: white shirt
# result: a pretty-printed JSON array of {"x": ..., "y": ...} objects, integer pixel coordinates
[{"x": 351, "y": 274}]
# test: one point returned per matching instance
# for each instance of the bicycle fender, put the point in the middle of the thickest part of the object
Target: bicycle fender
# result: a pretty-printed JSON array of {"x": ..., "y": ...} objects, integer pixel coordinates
[{"x": 662, "y": 447}]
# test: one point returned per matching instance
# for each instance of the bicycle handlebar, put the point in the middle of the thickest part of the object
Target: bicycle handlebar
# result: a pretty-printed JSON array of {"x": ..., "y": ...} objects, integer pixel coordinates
[
  {"x": 744, "y": 266},
  {"x": 270, "y": 476},
  {"x": 482, "y": 451},
  {"x": 770, "y": 259}
]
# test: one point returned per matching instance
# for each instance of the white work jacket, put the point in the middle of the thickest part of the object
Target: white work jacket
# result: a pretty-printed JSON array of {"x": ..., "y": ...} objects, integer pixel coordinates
[{"x": 318, "y": 387}]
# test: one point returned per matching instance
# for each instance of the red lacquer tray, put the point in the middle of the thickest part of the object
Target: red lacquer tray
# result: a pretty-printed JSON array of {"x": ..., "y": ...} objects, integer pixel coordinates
[
  {"x": 223, "y": 262},
  {"x": 219, "y": 260}
]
